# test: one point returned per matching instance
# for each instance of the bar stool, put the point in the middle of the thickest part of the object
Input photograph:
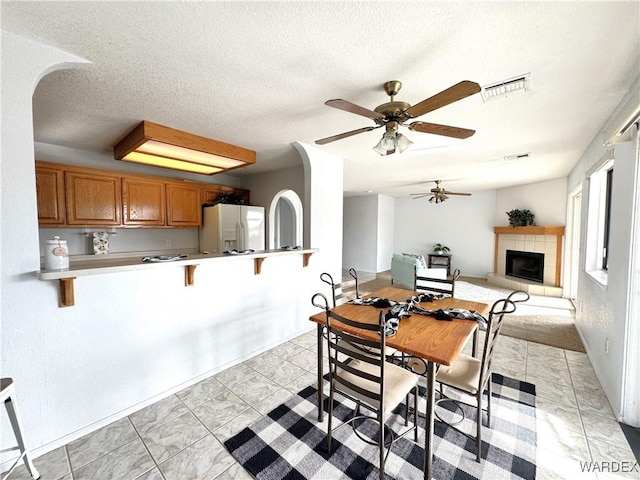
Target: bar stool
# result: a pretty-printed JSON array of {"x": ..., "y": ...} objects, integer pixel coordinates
[{"x": 9, "y": 398}]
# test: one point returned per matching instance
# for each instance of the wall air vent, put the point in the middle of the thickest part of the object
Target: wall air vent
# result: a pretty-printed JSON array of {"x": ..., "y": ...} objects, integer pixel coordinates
[
  {"x": 519, "y": 156},
  {"x": 521, "y": 83}
]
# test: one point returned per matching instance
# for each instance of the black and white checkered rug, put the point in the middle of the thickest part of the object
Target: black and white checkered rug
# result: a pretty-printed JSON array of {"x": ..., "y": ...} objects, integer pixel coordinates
[{"x": 289, "y": 443}]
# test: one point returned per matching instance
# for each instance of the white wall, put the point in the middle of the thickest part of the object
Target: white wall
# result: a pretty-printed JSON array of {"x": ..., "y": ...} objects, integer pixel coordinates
[
  {"x": 367, "y": 243},
  {"x": 360, "y": 234},
  {"x": 464, "y": 224},
  {"x": 323, "y": 206},
  {"x": 265, "y": 186},
  {"x": 604, "y": 314},
  {"x": 386, "y": 227},
  {"x": 132, "y": 338},
  {"x": 547, "y": 200}
]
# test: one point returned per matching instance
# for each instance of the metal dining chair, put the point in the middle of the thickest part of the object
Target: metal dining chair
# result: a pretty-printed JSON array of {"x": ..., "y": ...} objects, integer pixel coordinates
[
  {"x": 472, "y": 375},
  {"x": 7, "y": 391},
  {"x": 344, "y": 289},
  {"x": 436, "y": 281},
  {"x": 367, "y": 379}
]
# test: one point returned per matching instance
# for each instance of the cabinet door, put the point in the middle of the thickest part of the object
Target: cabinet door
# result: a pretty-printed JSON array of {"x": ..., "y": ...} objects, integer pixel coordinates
[
  {"x": 184, "y": 207},
  {"x": 211, "y": 193},
  {"x": 143, "y": 202},
  {"x": 93, "y": 199},
  {"x": 50, "y": 194}
]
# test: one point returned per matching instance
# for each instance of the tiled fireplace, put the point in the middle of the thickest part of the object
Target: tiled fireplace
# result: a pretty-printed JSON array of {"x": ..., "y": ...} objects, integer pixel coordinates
[{"x": 529, "y": 249}]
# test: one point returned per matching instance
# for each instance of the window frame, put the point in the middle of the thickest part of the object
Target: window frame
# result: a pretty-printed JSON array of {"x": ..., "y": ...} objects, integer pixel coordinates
[
  {"x": 599, "y": 220},
  {"x": 607, "y": 218}
]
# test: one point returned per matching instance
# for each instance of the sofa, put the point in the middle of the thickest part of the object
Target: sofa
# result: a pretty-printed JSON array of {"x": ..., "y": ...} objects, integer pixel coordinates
[{"x": 404, "y": 267}]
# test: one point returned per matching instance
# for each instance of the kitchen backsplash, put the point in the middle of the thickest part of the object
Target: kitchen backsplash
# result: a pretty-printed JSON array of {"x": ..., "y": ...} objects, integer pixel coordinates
[{"x": 80, "y": 240}]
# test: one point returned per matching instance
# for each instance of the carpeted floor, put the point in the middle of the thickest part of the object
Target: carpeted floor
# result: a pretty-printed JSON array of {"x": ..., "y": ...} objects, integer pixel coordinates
[{"x": 546, "y": 320}]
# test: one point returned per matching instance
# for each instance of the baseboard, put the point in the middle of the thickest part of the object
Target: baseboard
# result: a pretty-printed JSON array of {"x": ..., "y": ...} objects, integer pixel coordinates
[{"x": 64, "y": 440}]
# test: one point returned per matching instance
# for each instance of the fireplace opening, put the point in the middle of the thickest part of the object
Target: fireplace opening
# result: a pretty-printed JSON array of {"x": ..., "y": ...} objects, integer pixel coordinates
[{"x": 527, "y": 265}]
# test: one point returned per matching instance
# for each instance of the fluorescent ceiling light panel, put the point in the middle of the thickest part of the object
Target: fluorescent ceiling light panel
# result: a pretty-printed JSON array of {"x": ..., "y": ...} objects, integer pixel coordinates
[
  {"x": 155, "y": 161},
  {"x": 166, "y": 147},
  {"x": 520, "y": 83}
]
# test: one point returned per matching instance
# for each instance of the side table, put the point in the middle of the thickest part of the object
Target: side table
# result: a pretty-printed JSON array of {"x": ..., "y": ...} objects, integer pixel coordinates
[{"x": 435, "y": 260}]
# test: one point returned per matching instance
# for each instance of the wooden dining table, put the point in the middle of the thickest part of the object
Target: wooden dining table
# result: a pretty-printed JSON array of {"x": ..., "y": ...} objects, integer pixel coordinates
[{"x": 437, "y": 342}]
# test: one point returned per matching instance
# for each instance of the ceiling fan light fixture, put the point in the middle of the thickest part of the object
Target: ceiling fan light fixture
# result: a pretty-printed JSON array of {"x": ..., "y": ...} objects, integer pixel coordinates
[
  {"x": 387, "y": 144},
  {"x": 156, "y": 145},
  {"x": 403, "y": 142},
  {"x": 381, "y": 147},
  {"x": 391, "y": 141}
]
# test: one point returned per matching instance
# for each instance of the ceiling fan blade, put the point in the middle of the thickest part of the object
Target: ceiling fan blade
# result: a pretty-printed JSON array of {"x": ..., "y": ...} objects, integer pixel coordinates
[
  {"x": 456, "y": 193},
  {"x": 437, "y": 129},
  {"x": 452, "y": 94},
  {"x": 340, "y": 136},
  {"x": 353, "y": 108},
  {"x": 420, "y": 195},
  {"x": 443, "y": 197}
]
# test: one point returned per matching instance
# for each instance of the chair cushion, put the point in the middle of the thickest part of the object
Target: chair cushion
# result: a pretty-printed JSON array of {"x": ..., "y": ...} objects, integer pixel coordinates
[
  {"x": 463, "y": 373},
  {"x": 398, "y": 382},
  {"x": 440, "y": 273}
]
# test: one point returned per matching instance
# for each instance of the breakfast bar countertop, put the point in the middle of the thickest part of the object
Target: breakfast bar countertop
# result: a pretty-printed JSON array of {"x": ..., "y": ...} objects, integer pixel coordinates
[{"x": 100, "y": 266}]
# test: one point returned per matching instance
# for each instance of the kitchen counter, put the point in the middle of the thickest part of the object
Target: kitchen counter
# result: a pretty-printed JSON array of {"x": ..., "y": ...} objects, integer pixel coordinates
[{"x": 106, "y": 265}]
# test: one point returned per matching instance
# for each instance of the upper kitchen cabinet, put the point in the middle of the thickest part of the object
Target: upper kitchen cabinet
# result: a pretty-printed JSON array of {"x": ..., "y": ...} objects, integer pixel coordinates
[
  {"x": 50, "y": 194},
  {"x": 143, "y": 202},
  {"x": 211, "y": 193},
  {"x": 184, "y": 205},
  {"x": 74, "y": 196},
  {"x": 93, "y": 199}
]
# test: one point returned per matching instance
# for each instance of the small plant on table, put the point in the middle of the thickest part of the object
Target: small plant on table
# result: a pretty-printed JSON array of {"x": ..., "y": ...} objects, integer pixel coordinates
[{"x": 440, "y": 249}]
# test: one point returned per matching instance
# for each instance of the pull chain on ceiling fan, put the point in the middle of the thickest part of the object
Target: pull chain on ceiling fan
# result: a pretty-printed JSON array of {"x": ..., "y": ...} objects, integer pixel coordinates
[
  {"x": 438, "y": 194},
  {"x": 393, "y": 114}
]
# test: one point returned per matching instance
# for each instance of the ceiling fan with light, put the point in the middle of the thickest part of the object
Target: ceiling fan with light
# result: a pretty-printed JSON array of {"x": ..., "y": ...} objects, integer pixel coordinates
[
  {"x": 438, "y": 194},
  {"x": 393, "y": 114}
]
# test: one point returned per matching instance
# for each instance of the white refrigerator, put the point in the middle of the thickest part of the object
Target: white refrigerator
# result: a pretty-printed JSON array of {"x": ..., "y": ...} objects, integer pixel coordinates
[{"x": 232, "y": 227}]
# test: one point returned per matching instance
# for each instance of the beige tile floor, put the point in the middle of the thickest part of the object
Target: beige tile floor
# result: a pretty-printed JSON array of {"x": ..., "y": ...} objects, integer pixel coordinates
[{"x": 181, "y": 437}]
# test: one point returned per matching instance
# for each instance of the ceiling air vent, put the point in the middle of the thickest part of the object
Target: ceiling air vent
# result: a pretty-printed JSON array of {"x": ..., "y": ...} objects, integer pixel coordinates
[
  {"x": 518, "y": 156},
  {"x": 507, "y": 87}
]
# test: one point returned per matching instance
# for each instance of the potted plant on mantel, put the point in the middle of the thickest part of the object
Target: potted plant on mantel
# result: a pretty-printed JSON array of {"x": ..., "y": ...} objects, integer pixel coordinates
[
  {"x": 440, "y": 249},
  {"x": 520, "y": 218}
]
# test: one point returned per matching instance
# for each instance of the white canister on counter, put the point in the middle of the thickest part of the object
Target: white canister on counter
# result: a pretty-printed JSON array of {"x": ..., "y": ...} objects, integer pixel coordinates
[{"x": 56, "y": 254}]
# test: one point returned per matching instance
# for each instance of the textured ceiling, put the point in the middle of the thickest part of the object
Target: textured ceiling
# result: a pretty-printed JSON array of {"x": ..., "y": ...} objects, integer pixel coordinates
[{"x": 257, "y": 74}]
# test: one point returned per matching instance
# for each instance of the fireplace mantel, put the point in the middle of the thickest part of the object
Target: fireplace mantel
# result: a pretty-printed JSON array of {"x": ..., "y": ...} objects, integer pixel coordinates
[
  {"x": 530, "y": 230},
  {"x": 547, "y": 231}
]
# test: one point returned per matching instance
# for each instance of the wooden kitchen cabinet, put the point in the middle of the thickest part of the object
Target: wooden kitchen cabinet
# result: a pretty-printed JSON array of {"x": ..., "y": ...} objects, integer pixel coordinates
[
  {"x": 93, "y": 199},
  {"x": 75, "y": 196},
  {"x": 210, "y": 194},
  {"x": 143, "y": 202},
  {"x": 50, "y": 195},
  {"x": 184, "y": 205}
]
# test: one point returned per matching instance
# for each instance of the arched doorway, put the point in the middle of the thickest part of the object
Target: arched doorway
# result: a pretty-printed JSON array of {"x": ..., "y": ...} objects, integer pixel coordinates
[{"x": 285, "y": 220}]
